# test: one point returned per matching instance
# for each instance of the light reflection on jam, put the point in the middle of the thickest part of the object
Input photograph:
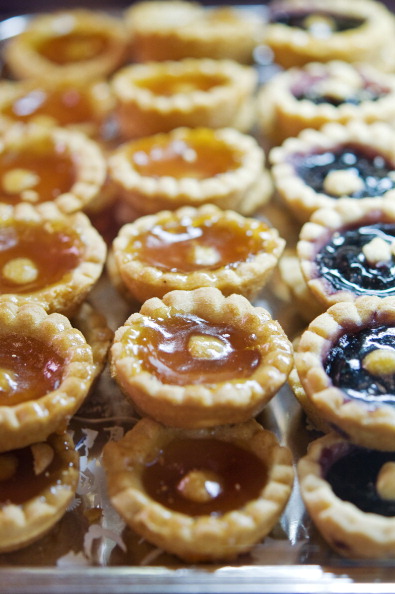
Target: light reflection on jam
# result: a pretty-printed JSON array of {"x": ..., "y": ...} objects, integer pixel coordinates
[
  {"x": 73, "y": 47},
  {"x": 243, "y": 475},
  {"x": 171, "y": 84}
]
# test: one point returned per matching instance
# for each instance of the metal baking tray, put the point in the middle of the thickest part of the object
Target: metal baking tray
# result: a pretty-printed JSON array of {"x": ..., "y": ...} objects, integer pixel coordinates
[{"x": 91, "y": 551}]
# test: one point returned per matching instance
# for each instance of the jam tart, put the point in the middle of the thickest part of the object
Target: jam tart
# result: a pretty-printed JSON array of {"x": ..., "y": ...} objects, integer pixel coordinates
[
  {"x": 37, "y": 484},
  {"x": 349, "y": 494},
  {"x": 354, "y": 160},
  {"x": 77, "y": 44},
  {"x": 176, "y": 29},
  {"x": 349, "y": 250},
  {"x": 317, "y": 94},
  {"x": 345, "y": 362},
  {"x": 302, "y": 31},
  {"x": 48, "y": 257},
  {"x": 203, "y": 495},
  {"x": 199, "y": 359},
  {"x": 192, "y": 166},
  {"x": 196, "y": 247},
  {"x": 160, "y": 96},
  {"x": 46, "y": 372}
]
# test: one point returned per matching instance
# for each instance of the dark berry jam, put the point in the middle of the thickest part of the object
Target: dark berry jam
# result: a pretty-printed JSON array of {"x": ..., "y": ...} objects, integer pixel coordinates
[
  {"x": 353, "y": 478},
  {"x": 344, "y": 365},
  {"x": 342, "y": 263},
  {"x": 372, "y": 169},
  {"x": 308, "y": 87},
  {"x": 319, "y": 22}
]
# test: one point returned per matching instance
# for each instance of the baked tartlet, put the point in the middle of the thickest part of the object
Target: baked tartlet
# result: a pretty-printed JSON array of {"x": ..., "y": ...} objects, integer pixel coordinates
[
  {"x": 196, "y": 247},
  {"x": 77, "y": 44},
  {"x": 192, "y": 166},
  {"x": 346, "y": 365},
  {"x": 37, "y": 483},
  {"x": 302, "y": 31},
  {"x": 349, "y": 250},
  {"x": 46, "y": 372},
  {"x": 349, "y": 493},
  {"x": 176, "y": 29},
  {"x": 317, "y": 94},
  {"x": 204, "y": 495},
  {"x": 160, "y": 96},
  {"x": 316, "y": 168},
  {"x": 199, "y": 359},
  {"x": 48, "y": 257}
]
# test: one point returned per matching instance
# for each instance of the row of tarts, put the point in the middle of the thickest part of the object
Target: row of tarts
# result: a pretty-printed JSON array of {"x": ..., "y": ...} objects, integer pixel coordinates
[{"x": 197, "y": 475}]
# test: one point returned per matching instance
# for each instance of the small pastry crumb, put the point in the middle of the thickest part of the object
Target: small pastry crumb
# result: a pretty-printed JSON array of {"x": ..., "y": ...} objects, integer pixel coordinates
[
  {"x": 200, "y": 486},
  {"x": 342, "y": 182},
  {"x": 380, "y": 362},
  {"x": 385, "y": 485},
  {"x": 206, "y": 347},
  {"x": 377, "y": 251},
  {"x": 20, "y": 271},
  {"x": 16, "y": 180},
  {"x": 43, "y": 455},
  {"x": 8, "y": 466}
]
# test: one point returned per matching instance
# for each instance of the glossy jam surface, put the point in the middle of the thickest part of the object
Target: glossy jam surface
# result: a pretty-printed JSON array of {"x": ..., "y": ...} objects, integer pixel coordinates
[
  {"x": 51, "y": 253},
  {"x": 171, "y": 84},
  {"x": 66, "y": 105},
  {"x": 197, "y": 155},
  {"x": 35, "y": 176},
  {"x": 343, "y": 264},
  {"x": 321, "y": 24},
  {"x": 353, "y": 478},
  {"x": 73, "y": 47},
  {"x": 201, "y": 243},
  {"x": 371, "y": 168},
  {"x": 345, "y": 366},
  {"x": 241, "y": 476},
  {"x": 187, "y": 349},
  {"x": 29, "y": 369},
  {"x": 308, "y": 87}
]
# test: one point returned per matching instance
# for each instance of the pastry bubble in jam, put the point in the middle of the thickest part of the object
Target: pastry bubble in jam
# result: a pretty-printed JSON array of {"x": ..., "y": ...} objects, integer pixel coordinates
[
  {"x": 185, "y": 82},
  {"x": 73, "y": 47}
]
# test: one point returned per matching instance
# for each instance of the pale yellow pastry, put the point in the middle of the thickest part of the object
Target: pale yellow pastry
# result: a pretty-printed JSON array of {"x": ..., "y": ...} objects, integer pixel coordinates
[
  {"x": 199, "y": 359},
  {"x": 192, "y": 166},
  {"x": 76, "y": 44},
  {"x": 317, "y": 168},
  {"x": 317, "y": 94},
  {"x": 204, "y": 495},
  {"x": 48, "y": 257},
  {"x": 196, "y": 247},
  {"x": 46, "y": 371},
  {"x": 37, "y": 483},
  {"x": 314, "y": 419},
  {"x": 160, "y": 96},
  {"x": 176, "y": 29}
]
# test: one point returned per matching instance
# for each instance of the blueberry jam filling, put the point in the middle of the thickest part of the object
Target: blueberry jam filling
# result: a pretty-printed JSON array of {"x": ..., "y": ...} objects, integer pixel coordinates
[
  {"x": 309, "y": 87},
  {"x": 345, "y": 365},
  {"x": 353, "y": 478},
  {"x": 372, "y": 169},
  {"x": 319, "y": 22},
  {"x": 342, "y": 263}
]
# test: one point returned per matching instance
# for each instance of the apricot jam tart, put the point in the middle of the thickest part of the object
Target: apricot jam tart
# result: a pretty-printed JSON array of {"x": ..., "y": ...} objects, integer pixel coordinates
[
  {"x": 77, "y": 44},
  {"x": 37, "y": 483},
  {"x": 346, "y": 364},
  {"x": 204, "y": 495},
  {"x": 47, "y": 257},
  {"x": 191, "y": 248},
  {"x": 46, "y": 369},
  {"x": 199, "y": 359},
  {"x": 192, "y": 167},
  {"x": 160, "y": 96},
  {"x": 349, "y": 493}
]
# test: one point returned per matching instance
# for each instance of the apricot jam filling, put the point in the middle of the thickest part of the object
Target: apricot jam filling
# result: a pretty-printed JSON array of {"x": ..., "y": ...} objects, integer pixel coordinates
[
  {"x": 204, "y": 476},
  {"x": 186, "y": 349},
  {"x": 186, "y": 82},
  {"x": 35, "y": 176},
  {"x": 197, "y": 155},
  {"x": 201, "y": 243},
  {"x": 73, "y": 47},
  {"x": 29, "y": 369},
  {"x": 33, "y": 256}
]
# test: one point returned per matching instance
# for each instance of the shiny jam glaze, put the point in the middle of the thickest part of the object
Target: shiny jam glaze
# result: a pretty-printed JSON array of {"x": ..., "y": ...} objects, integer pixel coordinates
[
  {"x": 186, "y": 349},
  {"x": 73, "y": 47},
  {"x": 344, "y": 365},
  {"x": 29, "y": 369},
  {"x": 308, "y": 87},
  {"x": 51, "y": 254},
  {"x": 353, "y": 478},
  {"x": 318, "y": 23},
  {"x": 371, "y": 168},
  {"x": 240, "y": 476},
  {"x": 35, "y": 175},
  {"x": 198, "y": 155},
  {"x": 201, "y": 243},
  {"x": 66, "y": 105},
  {"x": 186, "y": 82}
]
